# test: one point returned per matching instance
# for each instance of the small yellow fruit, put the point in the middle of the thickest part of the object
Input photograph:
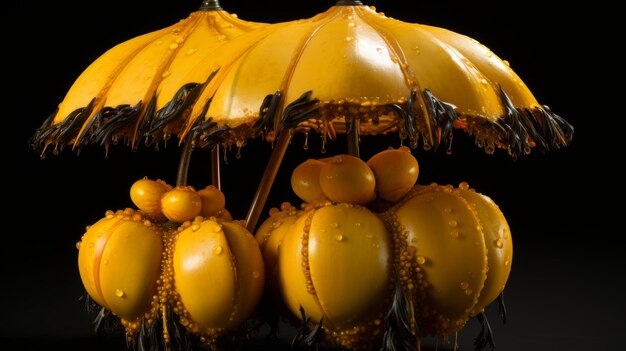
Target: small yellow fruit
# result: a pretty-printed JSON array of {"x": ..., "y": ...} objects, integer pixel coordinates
[
  {"x": 181, "y": 204},
  {"x": 305, "y": 181},
  {"x": 396, "y": 172},
  {"x": 213, "y": 200},
  {"x": 146, "y": 195},
  {"x": 348, "y": 179}
]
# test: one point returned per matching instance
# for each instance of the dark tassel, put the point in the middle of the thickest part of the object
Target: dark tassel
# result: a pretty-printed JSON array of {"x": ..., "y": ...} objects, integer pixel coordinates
[
  {"x": 442, "y": 115},
  {"x": 305, "y": 338},
  {"x": 267, "y": 113},
  {"x": 502, "y": 307},
  {"x": 114, "y": 121},
  {"x": 398, "y": 335},
  {"x": 184, "y": 97},
  {"x": 300, "y": 110},
  {"x": 517, "y": 133},
  {"x": 207, "y": 133},
  {"x": 485, "y": 337},
  {"x": 91, "y": 307},
  {"x": 105, "y": 322}
]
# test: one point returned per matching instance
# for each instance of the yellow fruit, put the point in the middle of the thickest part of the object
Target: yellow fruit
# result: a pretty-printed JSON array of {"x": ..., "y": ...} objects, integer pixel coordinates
[
  {"x": 119, "y": 261},
  {"x": 271, "y": 233},
  {"x": 146, "y": 195},
  {"x": 223, "y": 214},
  {"x": 460, "y": 244},
  {"x": 213, "y": 200},
  {"x": 348, "y": 179},
  {"x": 305, "y": 181},
  {"x": 181, "y": 204},
  {"x": 335, "y": 262},
  {"x": 219, "y": 274},
  {"x": 396, "y": 172}
]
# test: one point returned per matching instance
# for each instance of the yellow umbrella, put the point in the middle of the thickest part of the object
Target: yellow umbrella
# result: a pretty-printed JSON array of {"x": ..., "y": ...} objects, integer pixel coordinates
[
  {"x": 353, "y": 69},
  {"x": 141, "y": 88}
]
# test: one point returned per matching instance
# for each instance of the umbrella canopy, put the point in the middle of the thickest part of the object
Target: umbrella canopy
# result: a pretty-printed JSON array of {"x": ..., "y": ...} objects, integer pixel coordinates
[
  {"x": 140, "y": 88},
  {"x": 352, "y": 64}
]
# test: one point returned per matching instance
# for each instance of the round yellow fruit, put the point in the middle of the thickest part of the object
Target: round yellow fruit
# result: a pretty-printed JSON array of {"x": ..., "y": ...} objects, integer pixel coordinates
[
  {"x": 396, "y": 172},
  {"x": 119, "y": 261},
  {"x": 348, "y": 179},
  {"x": 213, "y": 200},
  {"x": 335, "y": 263},
  {"x": 146, "y": 194},
  {"x": 219, "y": 275},
  {"x": 181, "y": 204},
  {"x": 305, "y": 181}
]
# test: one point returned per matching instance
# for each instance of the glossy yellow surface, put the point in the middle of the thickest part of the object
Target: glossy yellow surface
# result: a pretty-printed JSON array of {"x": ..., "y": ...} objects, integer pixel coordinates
[
  {"x": 396, "y": 172},
  {"x": 181, "y": 204},
  {"x": 348, "y": 179},
  {"x": 213, "y": 201},
  {"x": 219, "y": 273},
  {"x": 305, "y": 181},
  {"x": 388, "y": 58},
  {"x": 119, "y": 263},
  {"x": 158, "y": 63},
  {"x": 146, "y": 194},
  {"x": 498, "y": 242},
  {"x": 335, "y": 262}
]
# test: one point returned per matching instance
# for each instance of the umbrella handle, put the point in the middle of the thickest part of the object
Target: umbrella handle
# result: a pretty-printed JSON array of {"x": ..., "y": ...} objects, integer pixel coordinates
[
  {"x": 260, "y": 197},
  {"x": 183, "y": 166},
  {"x": 216, "y": 178}
]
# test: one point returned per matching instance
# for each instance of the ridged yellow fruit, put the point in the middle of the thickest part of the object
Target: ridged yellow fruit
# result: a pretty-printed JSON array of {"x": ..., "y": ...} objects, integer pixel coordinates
[
  {"x": 455, "y": 240},
  {"x": 348, "y": 179},
  {"x": 219, "y": 275},
  {"x": 336, "y": 263},
  {"x": 213, "y": 200},
  {"x": 396, "y": 172},
  {"x": 119, "y": 261},
  {"x": 305, "y": 181},
  {"x": 271, "y": 233},
  {"x": 181, "y": 204},
  {"x": 146, "y": 194}
]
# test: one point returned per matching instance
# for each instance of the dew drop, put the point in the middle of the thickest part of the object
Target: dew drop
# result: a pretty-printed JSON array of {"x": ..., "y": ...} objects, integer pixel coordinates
[
  {"x": 91, "y": 245},
  {"x": 507, "y": 263},
  {"x": 499, "y": 243},
  {"x": 173, "y": 46},
  {"x": 464, "y": 285},
  {"x": 195, "y": 228},
  {"x": 217, "y": 229},
  {"x": 455, "y": 234},
  {"x": 447, "y": 210},
  {"x": 217, "y": 250},
  {"x": 334, "y": 225},
  {"x": 78, "y": 244},
  {"x": 256, "y": 275},
  {"x": 119, "y": 293},
  {"x": 369, "y": 236},
  {"x": 421, "y": 260},
  {"x": 158, "y": 42},
  {"x": 507, "y": 63},
  {"x": 349, "y": 39},
  {"x": 166, "y": 74},
  {"x": 191, "y": 52},
  {"x": 339, "y": 237},
  {"x": 468, "y": 291},
  {"x": 105, "y": 262},
  {"x": 351, "y": 25},
  {"x": 489, "y": 54},
  {"x": 453, "y": 223}
]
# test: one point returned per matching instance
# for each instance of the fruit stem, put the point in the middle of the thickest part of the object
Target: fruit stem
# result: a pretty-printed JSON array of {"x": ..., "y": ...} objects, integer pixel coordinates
[
  {"x": 216, "y": 179},
  {"x": 258, "y": 202},
  {"x": 353, "y": 137},
  {"x": 183, "y": 166}
]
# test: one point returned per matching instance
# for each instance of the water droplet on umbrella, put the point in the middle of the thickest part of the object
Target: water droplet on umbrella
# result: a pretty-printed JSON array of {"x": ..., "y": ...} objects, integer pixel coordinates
[
  {"x": 173, "y": 46},
  {"x": 489, "y": 54},
  {"x": 507, "y": 63},
  {"x": 78, "y": 244},
  {"x": 191, "y": 52},
  {"x": 166, "y": 74},
  {"x": 339, "y": 237}
]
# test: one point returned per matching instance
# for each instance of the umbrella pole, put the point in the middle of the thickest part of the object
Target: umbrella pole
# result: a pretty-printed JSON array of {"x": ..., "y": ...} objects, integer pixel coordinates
[
  {"x": 216, "y": 179},
  {"x": 353, "y": 137},
  {"x": 183, "y": 166},
  {"x": 258, "y": 202}
]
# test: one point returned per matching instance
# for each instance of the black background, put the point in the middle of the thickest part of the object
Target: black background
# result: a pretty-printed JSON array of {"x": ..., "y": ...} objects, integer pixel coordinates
[{"x": 564, "y": 290}]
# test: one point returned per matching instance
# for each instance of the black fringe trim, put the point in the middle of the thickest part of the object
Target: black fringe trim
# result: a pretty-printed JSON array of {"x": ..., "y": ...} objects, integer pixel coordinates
[
  {"x": 485, "y": 337},
  {"x": 502, "y": 307},
  {"x": 442, "y": 116},
  {"x": 104, "y": 321},
  {"x": 300, "y": 110},
  {"x": 398, "y": 335},
  {"x": 267, "y": 113},
  {"x": 304, "y": 338}
]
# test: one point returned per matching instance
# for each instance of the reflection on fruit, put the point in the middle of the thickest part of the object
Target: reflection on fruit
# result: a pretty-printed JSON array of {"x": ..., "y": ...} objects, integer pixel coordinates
[
  {"x": 396, "y": 172},
  {"x": 348, "y": 179}
]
